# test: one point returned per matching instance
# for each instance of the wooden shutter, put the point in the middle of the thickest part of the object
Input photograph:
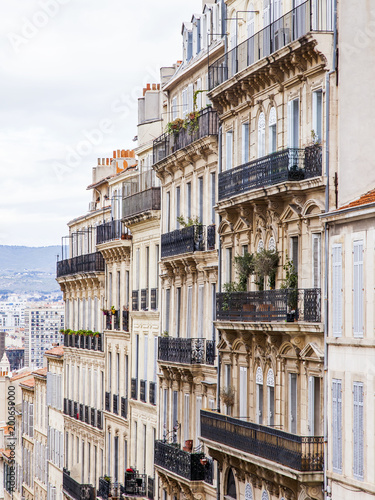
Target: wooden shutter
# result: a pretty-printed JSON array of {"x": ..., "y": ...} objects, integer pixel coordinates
[
  {"x": 358, "y": 289},
  {"x": 336, "y": 426},
  {"x": 358, "y": 430},
  {"x": 337, "y": 292},
  {"x": 31, "y": 419},
  {"x": 189, "y": 312},
  {"x": 243, "y": 392}
]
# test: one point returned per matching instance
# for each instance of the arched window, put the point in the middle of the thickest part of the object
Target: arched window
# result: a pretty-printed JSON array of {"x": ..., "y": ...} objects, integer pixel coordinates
[
  {"x": 259, "y": 390},
  {"x": 261, "y": 135},
  {"x": 231, "y": 485},
  {"x": 260, "y": 246},
  {"x": 265, "y": 495},
  {"x": 272, "y": 131},
  {"x": 271, "y": 397}
]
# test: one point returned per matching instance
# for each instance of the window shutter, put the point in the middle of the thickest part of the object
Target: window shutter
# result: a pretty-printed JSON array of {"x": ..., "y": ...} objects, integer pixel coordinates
[
  {"x": 61, "y": 449},
  {"x": 190, "y": 98},
  {"x": 336, "y": 426},
  {"x": 293, "y": 402},
  {"x": 31, "y": 419},
  {"x": 358, "y": 430},
  {"x": 200, "y": 310},
  {"x": 198, "y": 415},
  {"x": 187, "y": 417},
  {"x": 358, "y": 289},
  {"x": 311, "y": 397},
  {"x": 316, "y": 260},
  {"x": 337, "y": 290},
  {"x": 243, "y": 392},
  {"x": 229, "y": 149},
  {"x": 188, "y": 315},
  {"x": 261, "y": 135}
]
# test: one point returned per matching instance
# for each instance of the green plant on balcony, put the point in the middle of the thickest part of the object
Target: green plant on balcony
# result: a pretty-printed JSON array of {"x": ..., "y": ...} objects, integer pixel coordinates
[
  {"x": 165, "y": 333},
  {"x": 175, "y": 126},
  {"x": 290, "y": 282},
  {"x": 191, "y": 221},
  {"x": 245, "y": 267},
  {"x": 227, "y": 395},
  {"x": 265, "y": 265},
  {"x": 113, "y": 310}
]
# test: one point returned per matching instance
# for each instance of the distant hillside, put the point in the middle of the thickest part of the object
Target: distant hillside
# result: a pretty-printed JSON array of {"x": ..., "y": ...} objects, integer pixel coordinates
[
  {"x": 14, "y": 258},
  {"x": 28, "y": 269}
]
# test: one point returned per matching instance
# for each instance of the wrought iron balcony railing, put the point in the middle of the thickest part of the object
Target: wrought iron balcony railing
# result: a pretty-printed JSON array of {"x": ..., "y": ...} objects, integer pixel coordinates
[
  {"x": 135, "y": 300},
  {"x": 115, "y": 404},
  {"x": 94, "y": 343},
  {"x": 76, "y": 490},
  {"x": 93, "y": 417},
  {"x": 134, "y": 388},
  {"x": 287, "y": 165},
  {"x": 112, "y": 230},
  {"x": 89, "y": 263},
  {"x": 152, "y": 393},
  {"x": 207, "y": 123},
  {"x": 186, "y": 351},
  {"x": 138, "y": 203},
  {"x": 154, "y": 299},
  {"x": 307, "y": 17},
  {"x": 270, "y": 305},
  {"x": 99, "y": 419},
  {"x": 142, "y": 390},
  {"x": 180, "y": 462},
  {"x": 302, "y": 453},
  {"x": 125, "y": 321},
  {"x": 116, "y": 320},
  {"x": 107, "y": 401},
  {"x": 82, "y": 412},
  {"x": 124, "y": 407},
  {"x": 87, "y": 414},
  {"x": 144, "y": 299},
  {"x": 187, "y": 240}
]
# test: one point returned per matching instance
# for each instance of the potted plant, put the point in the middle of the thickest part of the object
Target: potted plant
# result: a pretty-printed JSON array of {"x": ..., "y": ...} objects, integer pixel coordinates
[
  {"x": 175, "y": 126},
  {"x": 113, "y": 310},
  {"x": 265, "y": 264},
  {"x": 245, "y": 267},
  {"x": 227, "y": 395},
  {"x": 290, "y": 283}
]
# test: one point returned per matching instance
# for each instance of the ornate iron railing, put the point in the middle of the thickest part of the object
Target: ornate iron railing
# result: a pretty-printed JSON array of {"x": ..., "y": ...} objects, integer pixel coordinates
[
  {"x": 144, "y": 299},
  {"x": 89, "y": 263},
  {"x": 144, "y": 201},
  {"x": 142, "y": 390},
  {"x": 135, "y": 484},
  {"x": 270, "y": 305},
  {"x": 188, "y": 239},
  {"x": 180, "y": 462},
  {"x": 303, "y": 453},
  {"x": 76, "y": 490},
  {"x": 115, "y": 404},
  {"x": 66, "y": 407},
  {"x": 81, "y": 412},
  {"x": 104, "y": 488},
  {"x": 152, "y": 393},
  {"x": 278, "y": 34},
  {"x": 135, "y": 300},
  {"x": 207, "y": 123},
  {"x": 125, "y": 321},
  {"x": 99, "y": 419},
  {"x": 116, "y": 320},
  {"x": 93, "y": 417},
  {"x": 107, "y": 401},
  {"x": 112, "y": 230},
  {"x": 84, "y": 341},
  {"x": 186, "y": 351},
  {"x": 154, "y": 299},
  {"x": 133, "y": 388},
  {"x": 286, "y": 165},
  {"x": 87, "y": 413},
  {"x": 150, "y": 488},
  {"x": 124, "y": 407},
  {"x": 75, "y": 409},
  {"x": 108, "y": 320}
]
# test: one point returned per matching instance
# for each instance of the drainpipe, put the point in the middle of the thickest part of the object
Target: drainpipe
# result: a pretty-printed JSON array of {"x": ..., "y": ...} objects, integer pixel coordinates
[
  {"x": 326, "y": 256},
  {"x": 220, "y": 157}
]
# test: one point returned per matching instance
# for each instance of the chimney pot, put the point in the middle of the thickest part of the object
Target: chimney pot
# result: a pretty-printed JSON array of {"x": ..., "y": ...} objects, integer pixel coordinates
[{"x": 114, "y": 154}]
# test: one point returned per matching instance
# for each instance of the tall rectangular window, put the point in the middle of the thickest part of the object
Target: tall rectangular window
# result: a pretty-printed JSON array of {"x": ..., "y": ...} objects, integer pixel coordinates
[
  {"x": 110, "y": 290},
  {"x": 184, "y": 102},
  {"x": 358, "y": 292},
  {"x": 127, "y": 284},
  {"x": 147, "y": 267},
  {"x": 145, "y": 360},
  {"x": 198, "y": 407},
  {"x": 213, "y": 309},
  {"x": 293, "y": 124},
  {"x": 175, "y": 412},
  {"x": 293, "y": 403},
  {"x": 317, "y": 115},
  {"x": 228, "y": 265},
  {"x": 174, "y": 108},
  {"x": 137, "y": 268},
  {"x": 213, "y": 196},
  {"x": 117, "y": 373},
  {"x": 144, "y": 448},
  {"x": 337, "y": 291},
  {"x": 189, "y": 311},
  {"x": 178, "y": 208},
  {"x": 243, "y": 392},
  {"x": 188, "y": 200},
  {"x": 200, "y": 193},
  {"x": 337, "y": 425},
  {"x": 186, "y": 416},
  {"x": 245, "y": 142},
  {"x": 109, "y": 371},
  {"x": 115, "y": 443},
  {"x": 294, "y": 251},
  {"x": 168, "y": 212},
  {"x": 178, "y": 311},
  {"x": 118, "y": 290},
  {"x": 316, "y": 245},
  {"x": 200, "y": 310},
  {"x": 167, "y": 308},
  {"x": 137, "y": 357},
  {"x": 229, "y": 149},
  {"x": 358, "y": 437}
]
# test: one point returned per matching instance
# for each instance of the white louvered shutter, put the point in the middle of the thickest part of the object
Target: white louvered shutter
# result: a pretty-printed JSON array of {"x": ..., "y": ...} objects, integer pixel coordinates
[
  {"x": 311, "y": 409},
  {"x": 337, "y": 292},
  {"x": 243, "y": 392},
  {"x": 61, "y": 449},
  {"x": 358, "y": 289},
  {"x": 316, "y": 239},
  {"x": 200, "y": 310},
  {"x": 198, "y": 415},
  {"x": 358, "y": 430},
  {"x": 189, "y": 313},
  {"x": 336, "y": 426},
  {"x": 31, "y": 419}
]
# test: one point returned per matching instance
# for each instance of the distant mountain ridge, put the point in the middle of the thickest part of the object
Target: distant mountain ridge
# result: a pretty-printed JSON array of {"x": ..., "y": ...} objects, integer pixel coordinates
[{"x": 28, "y": 269}]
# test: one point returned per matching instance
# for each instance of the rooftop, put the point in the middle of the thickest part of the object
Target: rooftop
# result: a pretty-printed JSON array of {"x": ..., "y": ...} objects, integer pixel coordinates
[
  {"x": 29, "y": 383},
  {"x": 55, "y": 351},
  {"x": 365, "y": 199},
  {"x": 41, "y": 372},
  {"x": 21, "y": 374}
]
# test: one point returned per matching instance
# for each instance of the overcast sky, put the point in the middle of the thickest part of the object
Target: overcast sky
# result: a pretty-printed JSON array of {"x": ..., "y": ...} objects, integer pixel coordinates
[{"x": 69, "y": 70}]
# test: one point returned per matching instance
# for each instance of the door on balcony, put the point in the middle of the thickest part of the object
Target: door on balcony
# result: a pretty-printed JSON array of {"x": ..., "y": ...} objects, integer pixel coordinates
[
  {"x": 271, "y": 397},
  {"x": 299, "y": 18},
  {"x": 293, "y": 403},
  {"x": 250, "y": 34},
  {"x": 314, "y": 406},
  {"x": 293, "y": 124},
  {"x": 259, "y": 395}
]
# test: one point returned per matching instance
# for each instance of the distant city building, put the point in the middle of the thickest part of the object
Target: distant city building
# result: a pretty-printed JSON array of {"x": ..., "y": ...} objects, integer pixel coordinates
[
  {"x": 42, "y": 330},
  {"x": 16, "y": 358},
  {"x": 2, "y": 344}
]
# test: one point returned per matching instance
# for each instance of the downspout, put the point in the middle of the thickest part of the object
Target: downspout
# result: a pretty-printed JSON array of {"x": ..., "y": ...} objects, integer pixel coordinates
[
  {"x": 326, "y": 256},
  {"x": 220, "y": 157}
]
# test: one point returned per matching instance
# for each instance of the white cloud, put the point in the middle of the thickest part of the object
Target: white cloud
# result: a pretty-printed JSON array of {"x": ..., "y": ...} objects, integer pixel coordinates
[{"x": 63, "y": 81}]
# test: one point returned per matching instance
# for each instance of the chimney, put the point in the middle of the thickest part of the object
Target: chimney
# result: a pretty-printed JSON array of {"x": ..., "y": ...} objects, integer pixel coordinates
[{"x": 114, "y": 154}]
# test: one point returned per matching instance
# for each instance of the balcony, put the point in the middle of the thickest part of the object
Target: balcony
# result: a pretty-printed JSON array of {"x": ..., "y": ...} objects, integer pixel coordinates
[
  {"x": 144, "y": 201},
  {"x": 183, "y": 463},
  {"x": 136, "y": 485},
  {"x": 207, "y": 124},
  {"x": 93, "y": 417},
  {"x": 144, "y": 299},
  {"x": 142, "y": 390},
  {"x": 187, "y": 240},
  {"x": 124, "y": 407},
  {"x": 107, "y": 401},
  {"x": 115, "y": 404},
  {"x": 135, "y": 300},
  {"x": 287, "y": 165},
  {"x": 186, "y": 351},
  {"x": 87, "y": 413},
  {"x": 152, "y": 393},
  {"x": 302, "y": 453},
  {"x": 99, "y": 419},
  {"x": 76, "y": 490},
  {"x": 154, "y": 299},
  {"x": 125, "y": 321},
  {"x": 134, "y": 388},
  {"x": 270, "y": 305},
  {"x": 90, "y": 342},
  {"x": 89, "y": 263},
  {"x": 112, "y": 230},
  {"x": 293, "y": 25}
]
